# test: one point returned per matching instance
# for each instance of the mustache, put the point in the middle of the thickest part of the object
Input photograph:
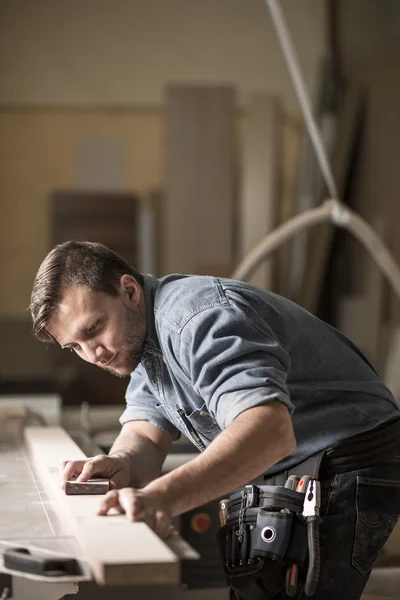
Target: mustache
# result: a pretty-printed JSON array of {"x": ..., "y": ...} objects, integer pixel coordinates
[
  {"x": 130, "y": 357},
  {"x": 131, "y": 350}
]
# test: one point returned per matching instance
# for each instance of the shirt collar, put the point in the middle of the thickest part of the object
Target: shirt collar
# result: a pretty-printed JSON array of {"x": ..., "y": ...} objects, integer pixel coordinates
[{"x": 151, "y": 343}]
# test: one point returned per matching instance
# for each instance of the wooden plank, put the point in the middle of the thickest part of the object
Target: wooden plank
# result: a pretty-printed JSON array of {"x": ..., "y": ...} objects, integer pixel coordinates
[
  {"x": 147, "y": 232},
  {"x": 320, "y": 241},
  {"x": 199, "y": 178},
  {"x": 310, "y": 185},
  {"x": 261, "y": 170},
  {"x": 108, "y": 218},
  {"x": 374, "y": 284},
  {"x": 292, "y": 131},
  {"x": 154, "y": 201},
  {"x": 366, "y": 307},
  {"x": 119, "y": 552},
  {"x": 352, "y": 318}
]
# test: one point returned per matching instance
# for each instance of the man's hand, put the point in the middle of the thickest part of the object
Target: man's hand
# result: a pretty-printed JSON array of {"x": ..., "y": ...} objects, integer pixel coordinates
[
  {"x": 139, "y": 506},
  {"x": 114, "y": 468}
]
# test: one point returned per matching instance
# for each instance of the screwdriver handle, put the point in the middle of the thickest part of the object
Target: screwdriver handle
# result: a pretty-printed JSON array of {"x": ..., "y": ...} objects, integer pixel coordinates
[
  {"x": 292, "y": 482},
  {"x": 292, "y": 571},
  {"x": 303, "y": 484},
  {"x": 292, "y": 574}
]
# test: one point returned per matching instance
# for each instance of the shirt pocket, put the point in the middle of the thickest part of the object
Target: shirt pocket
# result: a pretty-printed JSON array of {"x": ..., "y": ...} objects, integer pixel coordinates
[
  {"x": 169, "y": 414},
  {"x": 202, "y": 421},
  {"x": 378, "y": 509}
]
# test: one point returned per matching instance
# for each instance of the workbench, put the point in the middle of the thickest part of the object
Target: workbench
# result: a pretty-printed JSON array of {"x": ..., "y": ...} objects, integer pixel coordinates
[
  {"x": 109, "y": 549},
  {"x": 29, "y": 518}
]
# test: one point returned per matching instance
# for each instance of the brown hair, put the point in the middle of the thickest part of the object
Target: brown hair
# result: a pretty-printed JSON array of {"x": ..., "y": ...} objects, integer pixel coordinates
[{"x": 74, "y": 263}]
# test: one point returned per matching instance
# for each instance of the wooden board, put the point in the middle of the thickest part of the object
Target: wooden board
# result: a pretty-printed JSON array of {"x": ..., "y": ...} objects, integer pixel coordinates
[
  {"x": 105, "y": 217},
  {"x": 150, "y": 232},
  {"x": 347, "y": 128},
  {"x": 356, "y": 310},
  {"x": 310, "y": 183},
  {"x": 262, "y": 167},
  {"x": 198, "y": 213},
  {"x": 119, "y": 552},
  {"x": 292, "y": 131}
]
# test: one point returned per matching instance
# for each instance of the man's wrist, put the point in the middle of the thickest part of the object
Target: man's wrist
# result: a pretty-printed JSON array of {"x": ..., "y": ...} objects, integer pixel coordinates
[
  {"x": 158, "y": 492},
  {"x": 121, "y": 454}
]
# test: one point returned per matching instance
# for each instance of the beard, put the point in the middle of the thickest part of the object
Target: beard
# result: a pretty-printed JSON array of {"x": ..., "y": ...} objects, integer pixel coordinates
[{"x": 131, "y": 347}]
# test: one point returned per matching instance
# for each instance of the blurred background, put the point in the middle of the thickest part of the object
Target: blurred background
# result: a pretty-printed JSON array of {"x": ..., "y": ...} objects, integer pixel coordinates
[{"x": 170, "y": 131}]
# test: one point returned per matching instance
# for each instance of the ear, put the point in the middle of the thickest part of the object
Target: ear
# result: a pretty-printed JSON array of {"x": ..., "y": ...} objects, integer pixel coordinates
[{"x": 130, "y": 289}]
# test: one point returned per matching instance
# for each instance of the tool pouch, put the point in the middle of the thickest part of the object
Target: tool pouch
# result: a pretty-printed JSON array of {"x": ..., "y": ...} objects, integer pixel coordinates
[{"x": 264, "y": 534}]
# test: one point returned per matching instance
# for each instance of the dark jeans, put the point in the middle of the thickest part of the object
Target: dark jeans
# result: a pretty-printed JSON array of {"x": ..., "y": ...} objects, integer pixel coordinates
[{"x": 359, "y": 511}]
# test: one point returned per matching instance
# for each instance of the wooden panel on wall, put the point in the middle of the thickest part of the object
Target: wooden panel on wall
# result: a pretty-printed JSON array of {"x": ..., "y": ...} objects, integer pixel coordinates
[
  {"x": 375, "y": 195},
  {"x": 39, "y": 155},
  {"x": 347, "y": 128},
  {"x": 377, "y": 190},
  {"x": 111, "y": 219},
  {"x": 292, "y": 132},
  {"x": 100, "y": 164},
  {"x": 198, "y": 220},
  {"x": 262, "y": 167}
]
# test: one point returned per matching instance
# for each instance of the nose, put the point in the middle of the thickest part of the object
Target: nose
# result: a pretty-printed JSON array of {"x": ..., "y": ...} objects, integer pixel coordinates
[{"x": 95, "y": 353}]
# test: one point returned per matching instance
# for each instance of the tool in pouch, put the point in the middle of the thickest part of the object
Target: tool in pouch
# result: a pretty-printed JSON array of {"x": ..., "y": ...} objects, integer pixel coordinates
[
  {"x": 312, "y": 504},
  {"x": 293, "y": 483},
  {"x": 270, "y": 539},
  {"x": 292, "y": 573}
]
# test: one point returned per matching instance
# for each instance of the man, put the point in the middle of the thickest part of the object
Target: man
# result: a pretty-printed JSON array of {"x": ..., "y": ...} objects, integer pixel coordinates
[{"x": 257, "y": 383}]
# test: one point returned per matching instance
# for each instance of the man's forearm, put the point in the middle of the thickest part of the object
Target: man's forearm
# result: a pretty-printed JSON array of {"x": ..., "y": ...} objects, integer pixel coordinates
[
  {"x": 145, "y": 459},
  {"x": 257, "y": 439}
]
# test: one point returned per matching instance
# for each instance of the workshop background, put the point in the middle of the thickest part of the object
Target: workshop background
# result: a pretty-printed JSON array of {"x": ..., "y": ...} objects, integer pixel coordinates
[{"x": 170, "y": 131}]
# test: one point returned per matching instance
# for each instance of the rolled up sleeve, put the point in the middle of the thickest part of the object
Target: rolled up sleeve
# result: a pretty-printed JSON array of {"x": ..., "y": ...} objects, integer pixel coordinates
[
  {"x": 141, "y": 405},
  {"x": 234, "y": 363}
]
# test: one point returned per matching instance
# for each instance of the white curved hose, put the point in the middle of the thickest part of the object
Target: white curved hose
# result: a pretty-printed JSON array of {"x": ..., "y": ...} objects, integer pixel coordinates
[
  {"x": 278, "y": 236},
  {"x": 332, "y": 211}
]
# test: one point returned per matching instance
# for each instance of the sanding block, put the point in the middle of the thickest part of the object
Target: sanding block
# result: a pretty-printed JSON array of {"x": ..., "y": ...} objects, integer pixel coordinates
[{"x": 94, "y": 485}]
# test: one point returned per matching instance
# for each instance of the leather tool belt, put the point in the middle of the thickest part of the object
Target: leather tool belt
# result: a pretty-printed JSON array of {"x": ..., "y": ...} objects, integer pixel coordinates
[{"x": 269, "y": 541}]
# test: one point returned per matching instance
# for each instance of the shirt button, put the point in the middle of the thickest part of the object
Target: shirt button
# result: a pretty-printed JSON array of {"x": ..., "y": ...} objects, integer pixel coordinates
[{"x": 203, "y": 414}]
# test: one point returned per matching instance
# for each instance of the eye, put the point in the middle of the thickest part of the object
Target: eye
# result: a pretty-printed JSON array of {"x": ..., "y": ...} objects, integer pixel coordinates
[
  {"x": 72, "y": 347},
  {"x": 93, "y": 328}
]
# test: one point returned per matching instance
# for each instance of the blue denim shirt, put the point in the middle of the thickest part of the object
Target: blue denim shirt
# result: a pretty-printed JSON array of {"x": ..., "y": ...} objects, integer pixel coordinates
[{"x": 217, "y": 347}]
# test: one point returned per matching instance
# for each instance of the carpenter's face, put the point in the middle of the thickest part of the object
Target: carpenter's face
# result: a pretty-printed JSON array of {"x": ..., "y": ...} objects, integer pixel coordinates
[{"x": 108, "y": 331}]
